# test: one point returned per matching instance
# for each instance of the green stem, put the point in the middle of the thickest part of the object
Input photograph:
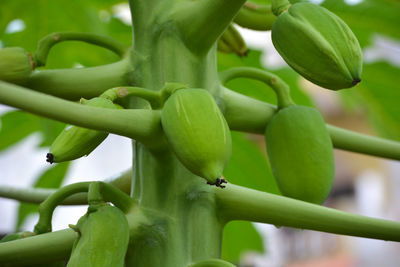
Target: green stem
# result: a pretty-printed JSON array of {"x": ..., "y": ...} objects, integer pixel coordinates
[
  {"x": 279, "y": 6},
  {"x": 250, "y": 115},
  {"x": 72, "y": 84},
  {"x": 144, "y": 125},
  {"x": 202, "y": 22},
  {"x": 52, "y": 39},
  {"x": 154, "y": 97},
  {"x": 38, "y": 195},
  {"x": 212, "y": 263},
  {"x": 239, "y": 203},
  {"x": 43, "y": 248},
  {"x": 255, "y": 17},
  {"x": 280, "y": 88},
  {"x": 117, "y": 197},
  {"x": 46, "y": 209},
  {"x": 94, "y": 194}
]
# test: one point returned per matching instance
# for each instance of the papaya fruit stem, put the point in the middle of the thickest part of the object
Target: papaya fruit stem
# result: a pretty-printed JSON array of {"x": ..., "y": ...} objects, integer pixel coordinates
[
  {"x": 47, "y": 207},
  {"x": 279, "y": 6},
  {"x": 280, "y": 88},
  {"x": 52, "y": 39}
]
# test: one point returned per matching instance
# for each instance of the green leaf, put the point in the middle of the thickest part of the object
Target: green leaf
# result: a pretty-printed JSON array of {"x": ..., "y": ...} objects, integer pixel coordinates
[
  {"x": 51, "y": 178},
  {"x": 369, "y": 17},
  {"x": 248, "y": 165},
  {"x": 15, "y": 126},
  {"x": 238, "y": 237},
  {"x": 378, "y": 94}
]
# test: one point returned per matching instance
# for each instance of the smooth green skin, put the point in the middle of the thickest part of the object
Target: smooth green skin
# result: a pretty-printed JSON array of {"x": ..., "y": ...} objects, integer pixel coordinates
[
  {"x": 301, "y": 154},
  {"x": 103, "y": 240},
  {"x": 15, "y": 236},
  {"x": 75, "y": 142},
  {"x": 15, "y": 65},
  {"x": 197, "y": 132},
  {"x": 318, "y": 45}
]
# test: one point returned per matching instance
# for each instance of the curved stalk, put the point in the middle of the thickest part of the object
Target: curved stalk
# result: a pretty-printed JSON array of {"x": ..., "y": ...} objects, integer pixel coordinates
[
  {"x": 154, "y": 97},
  {"x": 38, "y": 195},
  {"x": 251, "y": 115},
  {"x": 280, "y": 88},
  {"x": 72, "y": 84},
  {"x": 240, "y": 203},
  {"x": 46, "y": 209},
  {"x": 46, "y": 43},
  {"x": 255, "y": 17},
  {"x": 142, "y": 125}
]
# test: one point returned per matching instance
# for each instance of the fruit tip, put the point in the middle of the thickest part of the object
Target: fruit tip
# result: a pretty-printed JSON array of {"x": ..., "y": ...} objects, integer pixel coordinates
[
  {"x": 50, "y": 158},
  {"x": 356, "y": 81}
]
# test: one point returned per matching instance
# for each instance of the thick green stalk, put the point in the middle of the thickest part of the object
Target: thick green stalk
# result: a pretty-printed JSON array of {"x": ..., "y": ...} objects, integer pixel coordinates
[
  {"x": 239, "y": 203},
  {"x": 43, "y": 248},
  {"x": 72, "y": 84},
  {"x": 144, "y": 125},
  {"x": 202, "y": 22},
  {"x": 251, "y": 115},
  {"x": 52, "y": 39},
  {"x": 255, "y": 17}
]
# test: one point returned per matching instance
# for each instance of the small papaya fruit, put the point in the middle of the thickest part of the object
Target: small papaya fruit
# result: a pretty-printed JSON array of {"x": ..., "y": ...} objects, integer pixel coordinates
[
  {"x": 198, "y": 133},
  {"x": 75, "y": 142},
  {"x": 103, "y": 238},
  {"x": 300, "y": 152},
  {"x": 16, "y": 65},
  {"x": 232, "y": 42},
  {"x": 318, "y": 45}
]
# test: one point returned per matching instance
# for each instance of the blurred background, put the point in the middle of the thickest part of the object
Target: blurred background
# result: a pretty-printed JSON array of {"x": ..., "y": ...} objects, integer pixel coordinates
[{"x": 363, "y": 184}]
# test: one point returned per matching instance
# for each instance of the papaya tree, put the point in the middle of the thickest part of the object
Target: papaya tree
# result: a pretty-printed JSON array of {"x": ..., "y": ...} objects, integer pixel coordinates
[{"x": 169, "y": 94}]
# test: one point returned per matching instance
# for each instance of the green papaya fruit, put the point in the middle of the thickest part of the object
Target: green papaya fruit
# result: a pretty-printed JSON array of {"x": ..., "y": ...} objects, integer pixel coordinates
[
  {"x": 16, "y": 65},
  {"x": 318, "y": 45},
  {"x": 198, "y": 133},
  {"x": 231, "y": 41},
  {"x": 75, "y": 142},
  {"x": 300, "y": 152},
  {"x": 103, "y": 238}
]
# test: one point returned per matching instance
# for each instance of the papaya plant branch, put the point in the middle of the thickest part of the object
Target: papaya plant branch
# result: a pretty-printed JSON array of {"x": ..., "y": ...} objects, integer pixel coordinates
[
  {"x": 36, "y": 249},
  {"x": 50, "y": 40},
  {"x": 251, "y": 115},
  {"x": 256, "y": 17},
  {"x": 202, "y": 31},
  {"x": 72, "y": 84},
  {"x": 142, "y": 125},
  {"x": 38, "y": 195},
  {"x": 240, "y": 203},
  {"x": 280, "y": 88}
]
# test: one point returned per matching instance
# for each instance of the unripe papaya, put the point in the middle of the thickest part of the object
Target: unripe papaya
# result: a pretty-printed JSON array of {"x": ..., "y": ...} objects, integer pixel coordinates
[
  {"x": 103, "y": 238},
  {"x": 318, "y": 45},
  {"x": 301, "y": 153},
  {"x": 232, "y": 42},
  {"x": 75, "y": 142},
  {"x": 198, "y": 133},
  {"x": 16, "y": 65}
]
